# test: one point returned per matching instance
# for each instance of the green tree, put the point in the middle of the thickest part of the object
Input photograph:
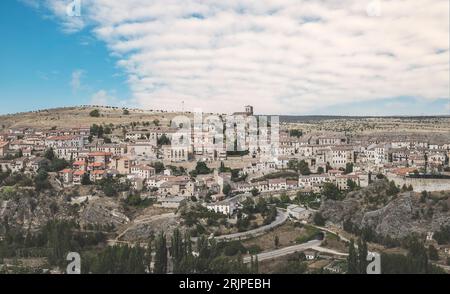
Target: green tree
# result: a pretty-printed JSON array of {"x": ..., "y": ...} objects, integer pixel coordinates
[
  {"x": 303, "y": 168},
  {"x": 109, "y": 189},
  {"x": 418, "y": 256},
  {"x": 318, "y": 219},
  {"x": 433, "y": 253},
  {"x": 49, "y": 154},
  {"x": 158, "y": 166},
  {"x": 404, "y": 188},
  {"x": 58, "y": 164},
  {"x": 392, "y": 189},
  {"x": 85, "y": 180},
  {"x": 330, "y": 191},
  {"x": 348, "y": 167},
  {"x": 285, "y": 198},
  {"x": 160, "y": 266},
  {"x": 362, "y": 256},
  {"x": 276, "y": 241},
  {"x": 222, "y": 167},
  {"x": 351, "y": 185},
  {"x": 423, "y": 196},
  {"x": 97, "y": 130},
  {"x": 201, "y": 168},
  {"x": 41, "y": 181},
  {"x": 94, "y": 113},
  {"x": 226, "y": 189},
  {"x": 352, "y": 259},
  {"x": 163, "y": 140},
  {"x": 299, "y": 166},
  {"x": 177, "y": 249},
  {"x": 443, "y": 235}
]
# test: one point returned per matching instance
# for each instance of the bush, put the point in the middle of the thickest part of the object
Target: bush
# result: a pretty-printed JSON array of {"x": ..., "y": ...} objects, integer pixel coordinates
[
  {"x": 41, "y": 181},
  {"x": 234, "y": 247},
  {"x": 393, "y": 189},
  {"x": 319, "y": 220},
  {"x": 94, "y": 113},
  {"x": 443, "y": 235},
  {"x": 137, "y": 201},
  {"x": 202, "y": 169},
  {"x": 158, "y": 166},
  {"x": 85, "y": 180},
  {"x": 254, "y": 249},
  {"x": 433, "y": 254},
  {"x": 330, "y": 191}
]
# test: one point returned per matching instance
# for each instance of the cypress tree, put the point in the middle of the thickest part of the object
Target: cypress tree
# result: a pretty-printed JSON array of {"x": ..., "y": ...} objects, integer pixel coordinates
[
  {"x": 160, "y": 255},
  {"x": 149, "y": 256},
  {"x": 362, "y": 256},
  {"x": 177, "y": 249},
  {"x": 352, "y": 259}
]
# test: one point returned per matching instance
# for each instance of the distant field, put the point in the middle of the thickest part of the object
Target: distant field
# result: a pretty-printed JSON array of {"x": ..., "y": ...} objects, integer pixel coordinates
[{"x": 79, "y": 117}]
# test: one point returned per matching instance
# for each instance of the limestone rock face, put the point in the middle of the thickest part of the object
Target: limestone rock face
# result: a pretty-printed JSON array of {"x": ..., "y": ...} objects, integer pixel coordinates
[
  {"x": 394, "y": 216},
  {"x": 26, "y": 211},
  {"x": 102, "y": 211}
]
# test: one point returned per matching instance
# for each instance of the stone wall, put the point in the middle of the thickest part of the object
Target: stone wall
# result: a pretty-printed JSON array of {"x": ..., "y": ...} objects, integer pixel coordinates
[{"x": 420, "y": 184}]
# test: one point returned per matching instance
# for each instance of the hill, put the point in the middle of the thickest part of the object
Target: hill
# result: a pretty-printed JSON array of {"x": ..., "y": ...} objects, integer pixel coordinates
[{"x": 79, "y": 116}]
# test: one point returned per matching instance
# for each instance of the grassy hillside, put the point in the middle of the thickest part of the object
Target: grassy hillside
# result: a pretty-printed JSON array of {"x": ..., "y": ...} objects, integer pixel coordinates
[{"x": 79, "y": 117}]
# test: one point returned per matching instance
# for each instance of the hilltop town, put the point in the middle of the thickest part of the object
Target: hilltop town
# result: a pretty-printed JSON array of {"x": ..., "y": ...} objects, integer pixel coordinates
[{"x": 287, "y": 194}]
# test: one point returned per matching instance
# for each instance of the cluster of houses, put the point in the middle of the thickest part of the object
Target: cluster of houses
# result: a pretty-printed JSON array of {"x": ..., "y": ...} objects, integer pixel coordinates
[{"x": 133, "y": 154}]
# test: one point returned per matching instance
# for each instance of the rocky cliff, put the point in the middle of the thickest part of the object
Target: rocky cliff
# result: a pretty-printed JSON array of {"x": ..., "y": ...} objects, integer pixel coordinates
[{"x": 396, "y": 216}]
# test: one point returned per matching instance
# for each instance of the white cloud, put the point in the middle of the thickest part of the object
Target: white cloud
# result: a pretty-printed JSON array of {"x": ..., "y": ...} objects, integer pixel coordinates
[
  {"x": 58, "y": 10},
  {"x": 283, "y": 56},
  {"x": 104, "y": 98},
  {"x": 75, "y": 81}
]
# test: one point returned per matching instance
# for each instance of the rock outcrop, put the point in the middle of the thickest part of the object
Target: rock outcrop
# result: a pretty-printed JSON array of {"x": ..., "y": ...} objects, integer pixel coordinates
[{"x": 395, "y": 216}]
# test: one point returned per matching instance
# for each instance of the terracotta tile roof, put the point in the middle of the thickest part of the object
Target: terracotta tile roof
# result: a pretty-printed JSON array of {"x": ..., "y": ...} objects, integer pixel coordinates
[
  {"x": 62, "y": 138},
  {"x": 100, "y": 154},
  {"x": 404, "y": 171},
  {"x": 98, "y": 172},
  {"x": 96, "y": 164}
]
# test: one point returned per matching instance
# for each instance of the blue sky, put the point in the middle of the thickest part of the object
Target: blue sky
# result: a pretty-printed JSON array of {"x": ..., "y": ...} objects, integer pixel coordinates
[
  {"x": 38, "y": 61},
  {"x": 372, "y": 57}
]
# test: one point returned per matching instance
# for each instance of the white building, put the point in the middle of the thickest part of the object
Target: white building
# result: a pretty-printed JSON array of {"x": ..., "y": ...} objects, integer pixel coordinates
[
  {"x": 143, "y": 171},
  {"x": 224, "y": 207},
  {"x": 298, "y": 212},
  {"x": 64, "y": 141}
]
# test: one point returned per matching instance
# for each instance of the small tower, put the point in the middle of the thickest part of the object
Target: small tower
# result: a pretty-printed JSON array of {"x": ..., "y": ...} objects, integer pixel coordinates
[{"x": 249, "y": 110}]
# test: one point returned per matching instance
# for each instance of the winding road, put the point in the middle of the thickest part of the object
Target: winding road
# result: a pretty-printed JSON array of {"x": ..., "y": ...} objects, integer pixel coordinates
[
  {"x": 282, "y": 216},
  {"x": 313, "y": 244},
  {"x": 284, "y": 251}
]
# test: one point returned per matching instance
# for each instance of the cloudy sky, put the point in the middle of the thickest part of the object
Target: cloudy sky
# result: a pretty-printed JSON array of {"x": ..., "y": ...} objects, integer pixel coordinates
[{"x": 282, "y": 56}]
